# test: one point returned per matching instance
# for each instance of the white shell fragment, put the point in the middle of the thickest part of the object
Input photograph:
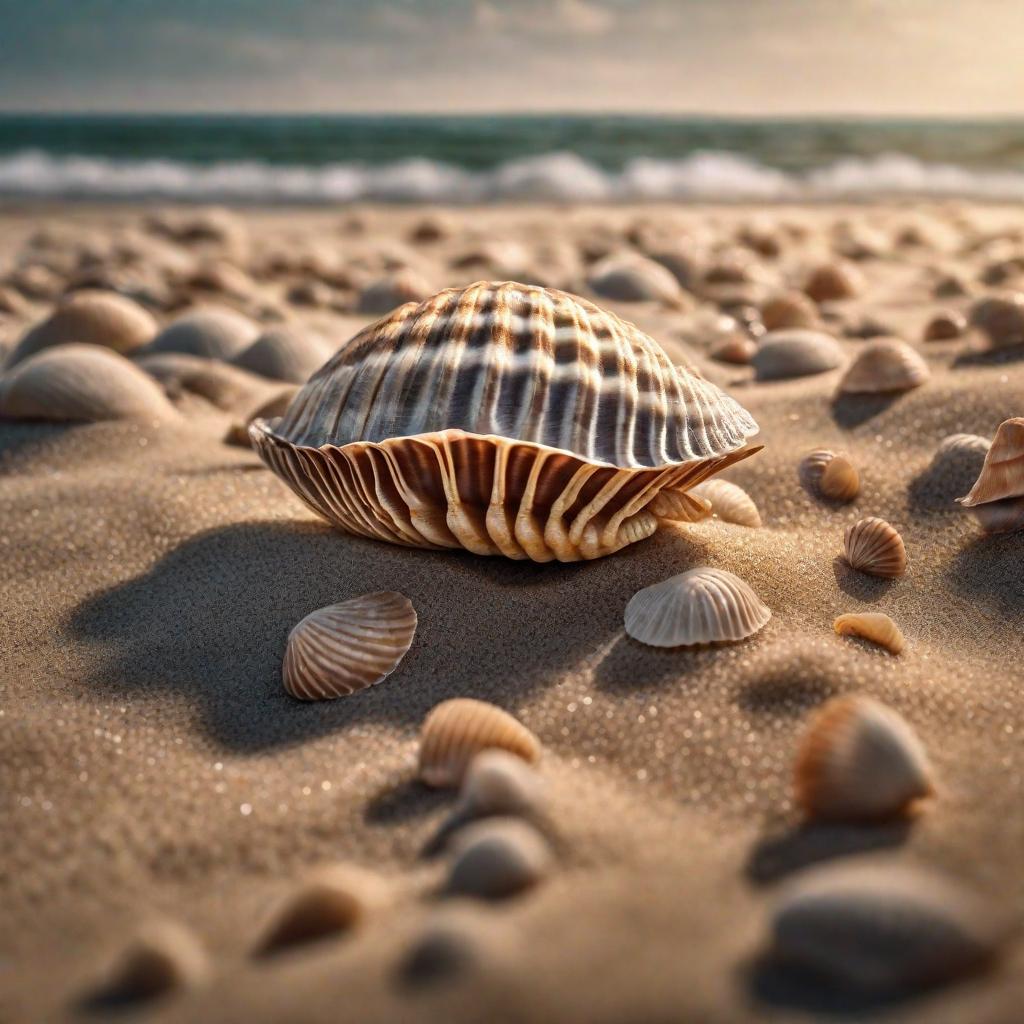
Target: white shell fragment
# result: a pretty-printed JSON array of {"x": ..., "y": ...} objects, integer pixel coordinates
[
  {"x": 498, "y": 858},
  {"x": 700, "y": 606},
  {"x": 344, "y": 648}
]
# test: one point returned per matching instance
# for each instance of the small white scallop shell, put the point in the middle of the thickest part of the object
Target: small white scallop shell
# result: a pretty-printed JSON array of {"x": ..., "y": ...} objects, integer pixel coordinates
[
  {"x": 1002, "y": 475},
  {"x": 700, "y": 606},
  {"x": 498, "y": 858},
  {"x": 881, "y": 927},
  {"x": 874, "y": 626},
  {"x": 795, "y": 353},
  {"x": 884, "y": 366},
  {"x": 208, "y": 331},
  {"x": 875, "y": 547},
  {"x": 284, "y": 353},
  {"x": 729, "y": 502},
  {"x": 344, "y": 648},
  {"x": 860, "y": 761}
]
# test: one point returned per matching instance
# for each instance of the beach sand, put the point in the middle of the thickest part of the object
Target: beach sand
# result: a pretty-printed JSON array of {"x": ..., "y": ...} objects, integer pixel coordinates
[{"x": 154, "y": 766}]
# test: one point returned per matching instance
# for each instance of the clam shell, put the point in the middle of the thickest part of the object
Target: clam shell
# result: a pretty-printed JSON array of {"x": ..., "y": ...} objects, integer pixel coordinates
[
  {"x": 882, "y": 366},
  {"x": 344, "y": 648},
  {"x": 625, "y": 278},
  {"x": 284, "y": 353},
  {"x": 393, "y": 290},
  {"x": 944, "y": 326},
  {"x": 859, "y": 761},
  {"x": 504, "y": 419},
  {"x": 839, "y": 480},
  {"x": 834, "y": 281},
  {"x": 729, "y": 502},
  {"x": 795, "y": 353},
  {"x": 1000, "y": 319},
  {"x": 209, "y": 331},
  {"x": 89, "y": 318},
  {"x": 81, "y": 383},
  {"x": 1002, "y": 475},
  {"x": 700, "y": 606},
  {"x": 875, "y": 547},
  {"x": 787, "y": 310},
  {"x": 498, "y": 858},
  {"x": 874, "y": 626},
  {"x": 885, "y": 928},
  {"x": 457, "y": 730}
]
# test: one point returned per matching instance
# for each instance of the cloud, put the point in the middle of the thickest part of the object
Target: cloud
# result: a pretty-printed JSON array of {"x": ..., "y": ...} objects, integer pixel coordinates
[{"x": 560, "y": 17}]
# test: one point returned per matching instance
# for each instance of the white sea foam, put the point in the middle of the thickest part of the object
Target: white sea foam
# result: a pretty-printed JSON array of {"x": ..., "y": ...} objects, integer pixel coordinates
[{"x": 558, "y": 177}]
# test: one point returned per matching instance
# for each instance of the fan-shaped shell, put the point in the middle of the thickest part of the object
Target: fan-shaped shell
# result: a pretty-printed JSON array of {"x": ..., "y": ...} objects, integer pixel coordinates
[
  {"x": 505, "y": 419},
  {"x": 880, "y": 927},
  {"x": 211, "y": 332},
  {"x": 729, "y": 502},
  {"x": 1002, "y": 475},
  {"x": 457, "y": 730},
  {"x": 1000, "y": 319},
  {"x": 795, "y": 353},
  {"x": 344, "y": 648},
  {"x": 626, "y": 278},
  {"x": 284, "y": 353},
  {"x": 885, "y": 365},
  {"x": 789, "y": 310},
  {"x": 874, "y": 626},
  {"x": 700, "y": 606},
  {"x": 89, "y": 318},
  {"x": 498, "y": 858},
  {"x": 839, "y": 480},
  {"x": 875, "y": 547},
  {"x": 832, "y": 281},
  {"x": 81, "y": 383},
  {"x": 860, "y": 760}
]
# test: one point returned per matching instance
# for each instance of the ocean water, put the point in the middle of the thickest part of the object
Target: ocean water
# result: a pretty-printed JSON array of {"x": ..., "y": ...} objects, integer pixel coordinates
[{"x": 488, "y": 159}]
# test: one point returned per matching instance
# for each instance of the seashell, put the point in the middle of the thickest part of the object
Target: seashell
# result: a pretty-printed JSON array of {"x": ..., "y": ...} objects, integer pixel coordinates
[
  {"x": 284, "y": 353},
  {"x": 387, "y": 293},
  {"x": 812, "y": 467},
  {"x": 498, "y": 858},
  {"x": 788, "y": 310},
  {"x": 944, "y": 326},
  {"x": 35, "y": 281},
  {"x": 504, "y": 419},
  {"x": 344, "y": 648},
  {"x": 81, "y": 383},
  {"x": 859, "y": 760},
  {"x": 885, "y": 365},
  {"x": 433, "y": 227},
  {"x": 874, "y": 547},
  {"x": 874, "y": 626},
  {"x": 956, "y": 464},
  {"x": 729, "y": 502},
  {"x": 220, "y": 276},
  {"x": 453, "y": 941},
  {"x": 833, "y": 281},
  {"x": 839, "y": 480},
  {"x": 628, "y": 278},
  {"x": 1000, "y": 319},
  {"x": 700, "y": 606},
  {"x": 330, "y": 903},
  {"x": 1002, "y": 475},
  {"x": 734, "y": 348},
  {"x": 1000, "y": 516},
  {"x": 884, "y": 928},
  {"x": 89, "y": 318},
  {"x": 951, "y": 284},
  {"x": 221, "y": 384},
  {"x": 456, "y": 730},
  {"x": 795, "y": 353},
  {"x": 681, "y": 262},
  {"x": 211, "y": 332}
]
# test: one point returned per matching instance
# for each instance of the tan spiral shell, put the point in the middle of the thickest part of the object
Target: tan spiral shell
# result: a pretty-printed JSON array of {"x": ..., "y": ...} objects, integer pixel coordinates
[
  {"x": 885, "y": 365},
  {"x": 343, "y": 648},
  {"x": 505, "y": 419},
  {"x": 456, "y": 730},
  {"x": 1002, "y": 475},
  {"x": 729, "y": 502},
  {"x": 875, "y": 547},
  {"x": 874, "y": 626},
  {"x": 700, "y": 606}
]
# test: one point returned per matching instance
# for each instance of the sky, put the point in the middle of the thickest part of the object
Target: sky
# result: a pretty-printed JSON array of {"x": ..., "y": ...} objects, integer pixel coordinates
[{"x": 761, "y": 57}]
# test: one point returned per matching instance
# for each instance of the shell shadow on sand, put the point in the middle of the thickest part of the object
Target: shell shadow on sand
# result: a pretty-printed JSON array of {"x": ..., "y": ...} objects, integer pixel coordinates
[
  {"x": 859, "y": 584},
  {"x": 988, "y": 569},
  {"x": 854, "y": 410}
]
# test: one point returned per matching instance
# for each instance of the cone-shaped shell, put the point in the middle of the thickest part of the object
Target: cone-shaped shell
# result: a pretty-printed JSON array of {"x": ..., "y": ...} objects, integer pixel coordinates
[
  {"x": 882, "y": 928},
  {"x": 874, "y": 626},
  {"x": 284, "y": 353},
  {"x": 457, "y": 730},
  {"x": 81, "y": 383},
  {"x": 885, "y": 365},
  {"x": 211, "y": 332},
  {"x": 858, "y": 761},
  {"x": 729, "y": 502},
  {"x": 505, "y": 419},
  {"x": 344, "y": 648},
  {"x": 700, "y": 606},
  {"x": 875, "y": 547},
  {"x": 796, "y": 353},
  {"x": 1002, "y": 475}
]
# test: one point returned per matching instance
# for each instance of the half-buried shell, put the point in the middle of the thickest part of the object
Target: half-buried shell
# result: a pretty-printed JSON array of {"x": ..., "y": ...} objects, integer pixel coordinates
[
  {"x": 284, "y": 353},
  {"x": 505, "y": 419},
  {"x": 875, "y": 547},
  {"x": 700, "y": 606},
  {"x": 729, "y": 502},
  {"x": 1002, "y": 475},
  {"x": 874, "y": 626},
  {"x": 885, "y": 366},
  {"x": 211, "y": 331},
  {"x": 344, "y": 648}
]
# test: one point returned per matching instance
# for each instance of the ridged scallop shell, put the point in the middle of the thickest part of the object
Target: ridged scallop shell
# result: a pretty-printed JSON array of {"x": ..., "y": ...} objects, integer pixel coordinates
[
  {"x": 344, "y": 648},
  {"x": 505, "y": 419},
  {"x": 457, "y": 730},
  {"x": 789, "y": 310},
  {"x": 833, "y": 281},
  {"x": 81, "y": 383},
  {"x": 883, "y": 928},
  {"x": 883, "y": 366},
  {"x": 875, "y": 547},
  {"x": 796, "y": 353},
  {"x": 498, "y": 858},
  {"x": 729, "y": 502},
  {"x": 859, "y": 761},
  {"x": 89, "y": 318},
  {"x": 210, "y": 332},
  {"x": 700, "y": 606},
  {"x": 874, "y": 626},
  {"x": 839, "y": 480},
  {"x": 1002, "y": 475},
  {"x": 1000, "y": 319},
  {"x": 395, "y": 289},
  {"x": 284, "y": 353},
  {"x": 628, "y": 278}
]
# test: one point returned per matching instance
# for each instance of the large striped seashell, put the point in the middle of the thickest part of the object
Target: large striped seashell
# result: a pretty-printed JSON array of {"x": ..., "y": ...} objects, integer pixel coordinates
[
  {"x": 874, "y": 626},
  {"x": 859, "y": 760},
  {"x": 505, "y": 419},
  {"x": 883, "y": 366},
  {"x": 284, "y": 353},
  {"x": 344, "y": 648},
  {"x": 795, "y": 353},
  {"x": 875, "y": 547},
  {"x": 208, "y": 331},
  {"x": 457, "y": 730},
  {"x": 1002, "y": 475},
  {"x": 700, "y": 606},
  {"x": 729, "y": 502},
  {"x": 883, "y": 929}
]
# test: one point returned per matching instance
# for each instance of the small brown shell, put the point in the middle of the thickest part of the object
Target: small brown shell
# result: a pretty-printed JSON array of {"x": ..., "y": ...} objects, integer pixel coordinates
[
  {"x": 456, "y": 730},
  {"x": 875, "y": 547},
  {"x": 789, "y": 309},
  {"x": 859, "y": 760},
  {"x": 945, "y": 325},
  {"x": 884, "y": 366},
  {"x": 840, "y": 480},
  {"x": 796, "y": 353},
  {"x": 1002, "y": 475},
  {"x": 874, "y": 626},
  {"x": 734, "y": 348},
  {"x": 729, "y": 502},
  {"x": 344, "y": 648},
  {"x": 832, "y": 281}
]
